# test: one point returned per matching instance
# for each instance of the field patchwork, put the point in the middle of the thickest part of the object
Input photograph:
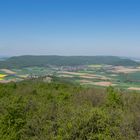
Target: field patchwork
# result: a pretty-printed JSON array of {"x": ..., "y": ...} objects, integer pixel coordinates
[{"x": 90, "y": 75}]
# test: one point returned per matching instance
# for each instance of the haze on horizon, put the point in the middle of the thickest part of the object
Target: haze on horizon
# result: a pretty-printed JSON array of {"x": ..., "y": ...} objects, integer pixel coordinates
[{"x": 70, "y": 27}]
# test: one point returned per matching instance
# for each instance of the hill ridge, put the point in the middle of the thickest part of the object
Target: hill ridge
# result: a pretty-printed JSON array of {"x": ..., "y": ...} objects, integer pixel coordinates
[{"x": 44, "y": 60}]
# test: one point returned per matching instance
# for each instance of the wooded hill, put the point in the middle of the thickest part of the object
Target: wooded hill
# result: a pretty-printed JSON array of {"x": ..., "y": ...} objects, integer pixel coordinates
[
  {"x": 35, "y": 110},
  {"x": 28, "y": 61}
]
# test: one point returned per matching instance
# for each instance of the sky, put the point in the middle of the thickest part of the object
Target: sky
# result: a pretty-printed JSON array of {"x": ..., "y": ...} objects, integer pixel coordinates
[{"x": 70, "y": 27}]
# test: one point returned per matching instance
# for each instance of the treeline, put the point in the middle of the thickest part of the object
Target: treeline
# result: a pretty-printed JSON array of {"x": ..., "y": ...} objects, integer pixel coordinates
[
  {"x": 28, "y": 61},
  {"x": 35, "y": 110}
]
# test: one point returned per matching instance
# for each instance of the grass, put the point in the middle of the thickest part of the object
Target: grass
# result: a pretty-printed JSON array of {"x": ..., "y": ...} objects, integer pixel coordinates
[{"x": 134, "y": 76}]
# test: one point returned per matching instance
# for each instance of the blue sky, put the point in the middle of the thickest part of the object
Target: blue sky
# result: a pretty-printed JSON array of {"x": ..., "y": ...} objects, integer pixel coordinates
[{"x": 70, "y": 27}]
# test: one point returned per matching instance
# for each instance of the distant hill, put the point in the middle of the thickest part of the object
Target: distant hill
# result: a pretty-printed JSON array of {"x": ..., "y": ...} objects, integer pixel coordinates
[
  {"x": 137, "y": 59},
  {"x": 28, "y": 61},
  {"x": 3, "y": 58}
]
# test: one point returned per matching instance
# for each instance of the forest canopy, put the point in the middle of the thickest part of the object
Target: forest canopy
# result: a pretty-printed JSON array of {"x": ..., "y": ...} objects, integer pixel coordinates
[{"x": 35, "y": 110}]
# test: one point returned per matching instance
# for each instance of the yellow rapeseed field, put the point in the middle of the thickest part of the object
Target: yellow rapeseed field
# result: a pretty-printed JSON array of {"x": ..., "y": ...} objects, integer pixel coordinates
[{"x": 2, "y": 76}]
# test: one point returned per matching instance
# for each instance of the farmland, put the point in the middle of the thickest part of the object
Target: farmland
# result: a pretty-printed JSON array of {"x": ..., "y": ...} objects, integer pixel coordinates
[
  {"x": 125, "y": 77},
  {"x": 107, "y": 75},
  {"x": 2, "y": 76},
  {"x": 99, "y": 71}
]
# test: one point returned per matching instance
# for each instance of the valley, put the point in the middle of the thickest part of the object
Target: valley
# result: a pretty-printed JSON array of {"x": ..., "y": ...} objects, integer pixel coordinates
[{"x": 101, "y": 75}]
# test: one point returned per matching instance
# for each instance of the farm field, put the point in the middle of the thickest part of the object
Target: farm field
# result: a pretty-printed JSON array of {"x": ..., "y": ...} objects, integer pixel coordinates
[
  {"x": 106, "y": 75},
  {"x": 90, "y": 75},
  {"x": 2, "y": 76}
]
